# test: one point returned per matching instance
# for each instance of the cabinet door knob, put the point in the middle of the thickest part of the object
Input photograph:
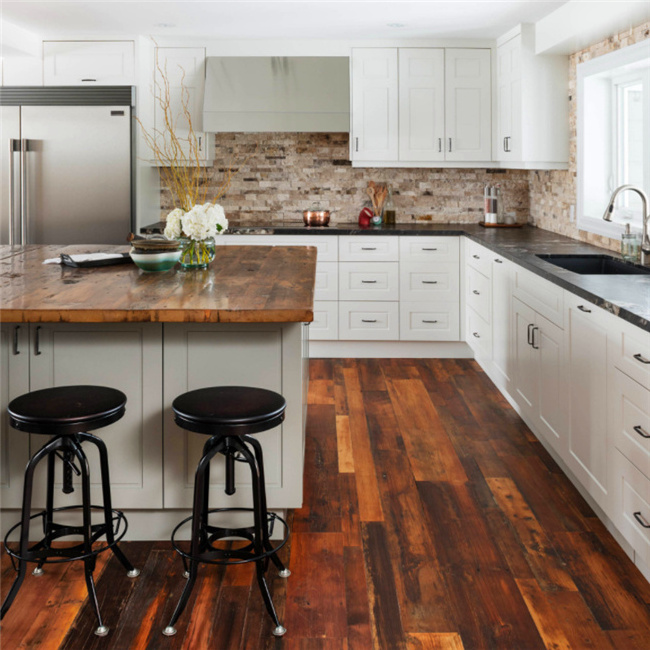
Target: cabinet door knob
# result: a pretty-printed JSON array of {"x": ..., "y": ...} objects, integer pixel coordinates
[
  {"x": 476, "y": 334},
  {"x": 641, "y": 431},
  {"x": 439, "y": 145},
  {"x": 498, "y": 261},
  {"x": 641, "y": 358},
  {"x": 476, "y": 257},
  {"x": 91, "y": 80},
  {"x": 641, "y": 519},
  {"x": 583, "y": 308}
]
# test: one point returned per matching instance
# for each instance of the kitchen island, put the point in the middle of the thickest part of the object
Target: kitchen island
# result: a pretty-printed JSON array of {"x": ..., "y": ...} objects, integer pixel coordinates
[{"x": 155, "y": 336}]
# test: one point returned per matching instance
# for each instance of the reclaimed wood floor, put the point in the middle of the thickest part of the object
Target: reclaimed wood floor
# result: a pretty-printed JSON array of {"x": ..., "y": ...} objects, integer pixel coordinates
[{"x": 433, "y": 520}]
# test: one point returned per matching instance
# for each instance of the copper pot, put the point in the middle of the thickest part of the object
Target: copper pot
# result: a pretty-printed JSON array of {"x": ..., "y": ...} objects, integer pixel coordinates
[{"x": 316, "y": 217}]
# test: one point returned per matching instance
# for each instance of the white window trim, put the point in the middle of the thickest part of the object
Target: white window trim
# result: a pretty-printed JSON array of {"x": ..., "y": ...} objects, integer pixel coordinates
[{"x": 618, "y": 58}]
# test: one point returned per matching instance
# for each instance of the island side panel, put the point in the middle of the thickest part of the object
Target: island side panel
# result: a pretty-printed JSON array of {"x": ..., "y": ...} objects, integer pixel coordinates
[{"x": 265, "y": 355}]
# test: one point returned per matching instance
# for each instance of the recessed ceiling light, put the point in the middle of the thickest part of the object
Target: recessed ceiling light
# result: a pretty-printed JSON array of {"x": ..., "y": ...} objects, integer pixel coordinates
[
  {"x": 396, "y": 25},
  {"x": 164, "y": 25}
]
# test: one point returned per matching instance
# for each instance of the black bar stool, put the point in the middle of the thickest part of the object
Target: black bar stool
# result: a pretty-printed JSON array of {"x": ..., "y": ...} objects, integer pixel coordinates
[
  {"x": 229, "y": 414},
  {"x": 67, "y": 413}
]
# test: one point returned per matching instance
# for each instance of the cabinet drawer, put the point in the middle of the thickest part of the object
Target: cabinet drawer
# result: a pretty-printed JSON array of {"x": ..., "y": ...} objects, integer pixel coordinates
[
  {"x": 325, "y": 326},
  {"x": 327, "y": 281},
  {"x": 429, "y": 249},
  {"x": 629, "y": 349},
  {"x": 543, "y": 296},
  {"x": 373, "y": 321},
  {"x": 630, "y": 504},
  {"x": 478, "y": 294},
  {"x": 424, "y": 321},
  {"x": 368, "y": 249},
  {"x": 479, "y": 257},
  {"x": 327, "y": 245},
  {"x": 88, "y": 63},
  {"x": 437, "y": 281},
  {"x": 479, "y": 334},
  {"x": 368, "y": 281},
  {"x": 630, "y": 420}
]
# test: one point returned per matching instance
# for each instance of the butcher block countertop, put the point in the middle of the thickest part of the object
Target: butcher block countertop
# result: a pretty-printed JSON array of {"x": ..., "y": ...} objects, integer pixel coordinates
[{"x": 244, "y": 284}]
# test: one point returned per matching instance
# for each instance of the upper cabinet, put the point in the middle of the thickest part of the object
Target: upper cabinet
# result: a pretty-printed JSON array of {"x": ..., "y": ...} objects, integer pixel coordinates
[
  {"x": 88, "y": 63},
  {"x": 183, "y": 68},
  {"x": 421, "y": 105},
  {"x": 532, "y": 114},
  {"x": 374, "y": 104}
]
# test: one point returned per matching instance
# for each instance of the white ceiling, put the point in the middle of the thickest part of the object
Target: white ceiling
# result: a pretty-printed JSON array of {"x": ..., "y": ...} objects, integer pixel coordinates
[{"x": 242, "y": 19}]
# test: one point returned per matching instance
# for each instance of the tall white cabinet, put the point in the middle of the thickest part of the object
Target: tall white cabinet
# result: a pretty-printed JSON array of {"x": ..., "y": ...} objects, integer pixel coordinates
[{"x": 421, "y": 105}]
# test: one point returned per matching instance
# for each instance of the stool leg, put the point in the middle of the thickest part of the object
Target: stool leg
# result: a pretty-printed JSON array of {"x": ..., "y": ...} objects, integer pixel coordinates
[
  {"x": 48, "y": 516},
  {"x": 131, "y": 572},
  {"x": 89, "y": 562},
  {"x": 46, "y": 450},
  {"x": 260, "y": 525},
  {"x": 200, "y": 495},
  {"x": 283, "y": 572}
]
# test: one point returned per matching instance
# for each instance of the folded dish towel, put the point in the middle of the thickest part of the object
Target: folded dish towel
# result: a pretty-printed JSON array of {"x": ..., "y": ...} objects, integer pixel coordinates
[{"x": 88, "y": 257}]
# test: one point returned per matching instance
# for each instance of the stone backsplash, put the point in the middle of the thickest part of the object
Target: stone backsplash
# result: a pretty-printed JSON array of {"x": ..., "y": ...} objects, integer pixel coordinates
[
  {"x": 552, "y": 193},
  {"x": 287, "y": 172}
]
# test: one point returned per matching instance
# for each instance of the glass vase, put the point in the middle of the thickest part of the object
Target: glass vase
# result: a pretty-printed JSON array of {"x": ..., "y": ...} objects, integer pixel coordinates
[{"x": 197, "y": 254}]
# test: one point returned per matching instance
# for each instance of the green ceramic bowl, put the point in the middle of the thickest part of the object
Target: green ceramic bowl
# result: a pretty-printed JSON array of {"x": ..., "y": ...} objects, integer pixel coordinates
[{"x": 155, "y": 261}]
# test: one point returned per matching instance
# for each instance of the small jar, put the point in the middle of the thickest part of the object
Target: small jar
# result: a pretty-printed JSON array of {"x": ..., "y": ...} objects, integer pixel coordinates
[{"x": 630, "y": 245}]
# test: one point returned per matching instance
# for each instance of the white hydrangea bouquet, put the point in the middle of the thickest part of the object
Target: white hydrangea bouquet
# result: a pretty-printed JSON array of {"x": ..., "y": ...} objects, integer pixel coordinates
[{"x": 197, "y": 229}]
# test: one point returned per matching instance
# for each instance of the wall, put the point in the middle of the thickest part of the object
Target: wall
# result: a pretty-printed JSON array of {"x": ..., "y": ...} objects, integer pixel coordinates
[
  {"x": 552, "y": 193},
  {"x": 286, "y": 172}
]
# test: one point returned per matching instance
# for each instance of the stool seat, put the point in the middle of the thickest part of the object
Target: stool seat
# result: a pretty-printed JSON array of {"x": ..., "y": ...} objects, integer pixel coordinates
[
  {"x": 66, "y": 410},
  {"x": 231, "y": 410}
]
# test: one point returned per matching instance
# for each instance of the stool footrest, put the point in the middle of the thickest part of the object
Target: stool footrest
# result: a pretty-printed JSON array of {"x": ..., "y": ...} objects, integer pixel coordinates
[
  {"x": 211, "y": 534},
  {"x": 40, "y": 551}
]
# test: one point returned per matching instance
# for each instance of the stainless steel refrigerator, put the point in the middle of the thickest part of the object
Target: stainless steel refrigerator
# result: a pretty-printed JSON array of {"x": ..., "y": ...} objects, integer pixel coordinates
[{"x": 66, "y": 165}]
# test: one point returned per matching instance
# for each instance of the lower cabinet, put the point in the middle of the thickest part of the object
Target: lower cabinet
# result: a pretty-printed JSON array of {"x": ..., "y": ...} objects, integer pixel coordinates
[
  {"x": 126, "y": 356},
  {"x": 264, "y": 355},
  {"x": 14, "y": 381},
  {"x": 368, "y": 321},
  {"x": 325, "y": 326},
  {"x": 586, "y": 336},
  {"x": 539, "y": 373}
]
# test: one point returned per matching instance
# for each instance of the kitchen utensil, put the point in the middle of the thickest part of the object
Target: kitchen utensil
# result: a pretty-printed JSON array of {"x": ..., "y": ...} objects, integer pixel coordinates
[{"x": 316, "y": 217}]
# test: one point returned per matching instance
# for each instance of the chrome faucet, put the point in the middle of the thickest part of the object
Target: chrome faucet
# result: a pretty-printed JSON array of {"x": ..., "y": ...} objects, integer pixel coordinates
[{"x": 645, "y": 240}]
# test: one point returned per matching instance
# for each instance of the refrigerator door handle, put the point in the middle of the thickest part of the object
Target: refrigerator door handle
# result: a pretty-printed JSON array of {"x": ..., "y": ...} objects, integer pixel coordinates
[
  {"x": 23, "y": 191},
  {"x": 13, "y": 146}
]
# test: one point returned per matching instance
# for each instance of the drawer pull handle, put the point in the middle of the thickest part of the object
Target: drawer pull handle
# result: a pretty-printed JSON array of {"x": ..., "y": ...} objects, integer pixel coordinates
[
  {"x": 641, "y": 358},
  {"x": 89, "y": 80},
  {"x": 37, "y": 341},
  {"x": 641, "y": 519},
  {"x": 641, "y": 431},
  {"x": 16, "y": 329},
  {"x": 368, "y": 249},
  {"x": 583, "y": 308},
  {"x": 429, "y": 321},
  {"x": 364, "y": 320},
  {"x": 476, "y": 334},
  {"x": 531, "y": 325},
  {"x": 429, "y": 281},
  {"x": 368, "y": 281},
  {"x": 476, "y": 293},
  {"x": 476, "y": 257},
  {"x": 535, "y": 347},
  {"x": 498, "y": 261},
  {"x": 429, "y": 249}
]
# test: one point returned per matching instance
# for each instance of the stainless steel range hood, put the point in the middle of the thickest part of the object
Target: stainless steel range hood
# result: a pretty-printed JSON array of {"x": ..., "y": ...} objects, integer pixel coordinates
[{"x": 297, "y": 94}]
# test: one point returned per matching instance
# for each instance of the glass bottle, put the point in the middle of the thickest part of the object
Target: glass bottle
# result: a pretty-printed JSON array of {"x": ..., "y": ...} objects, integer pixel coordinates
[{"x": 389, "y": 210}]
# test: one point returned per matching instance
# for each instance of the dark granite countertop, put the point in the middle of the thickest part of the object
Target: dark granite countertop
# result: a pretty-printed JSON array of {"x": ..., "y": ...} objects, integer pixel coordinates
[{"x": 626, "y": 296}]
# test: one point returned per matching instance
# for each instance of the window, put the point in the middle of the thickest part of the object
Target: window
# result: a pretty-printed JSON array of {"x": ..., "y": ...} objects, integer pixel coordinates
[{"x": 613, "y": 137}]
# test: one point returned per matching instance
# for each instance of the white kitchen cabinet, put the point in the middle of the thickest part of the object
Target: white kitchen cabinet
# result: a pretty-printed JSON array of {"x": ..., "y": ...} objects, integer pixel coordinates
[
  {"x": 183, "y": 67},
  {"x": 374, "y": 104},
  {"x": 325, "y": 326},
  {"x": 88, "y": 63},
  {"x": 126, "y": 356},
  {"x": 479, "y": 335},
  {"x": 532, "y": 120},
  {"x": 586, "y": 337},
  {"x": 421, "y": 104},
  {"x": 369, "y": 321},
  {"x": 355, "y": 248},
  {"x": 628, "y": 348},
  {"x": 326, "y": 286},
  {"x": 14, "y": 381},
  {"x": 539, "y": 371},
  {"x": 429, "y": 249},
  {"x": 502, "y": 340},
  {"x": 264, "y": 355},
  {"x": 433, "y": 281},
  {"x": 429, "y": 321},
  {"x": 369, "y": 281},
  {"x": 468, "y": 111}
]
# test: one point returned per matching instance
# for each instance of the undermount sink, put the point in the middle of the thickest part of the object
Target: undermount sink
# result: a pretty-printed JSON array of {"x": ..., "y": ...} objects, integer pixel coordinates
[{"x": 595, "y": 265}]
